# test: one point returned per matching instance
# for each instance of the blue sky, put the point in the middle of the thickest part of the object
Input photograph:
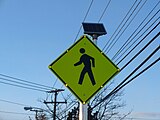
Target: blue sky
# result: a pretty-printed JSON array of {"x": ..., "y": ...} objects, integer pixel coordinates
[{"x": 33, "y": 33}]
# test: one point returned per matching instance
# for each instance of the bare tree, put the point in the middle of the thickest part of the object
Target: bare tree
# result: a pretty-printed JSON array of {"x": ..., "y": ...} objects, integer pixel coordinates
[
  {"x": 42, "y": 116},
  {"x": 109, "y": 109},
  {"x": 106, "y": 110}
]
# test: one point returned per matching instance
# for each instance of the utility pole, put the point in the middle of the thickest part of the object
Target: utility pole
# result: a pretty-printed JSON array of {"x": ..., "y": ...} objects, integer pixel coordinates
[{"x": 55, "y": 101}]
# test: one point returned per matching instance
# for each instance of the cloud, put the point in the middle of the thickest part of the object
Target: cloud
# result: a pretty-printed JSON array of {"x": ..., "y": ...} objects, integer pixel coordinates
[
  {"x": 146, "y": 114},
  {"x": 1, "y": 118}
]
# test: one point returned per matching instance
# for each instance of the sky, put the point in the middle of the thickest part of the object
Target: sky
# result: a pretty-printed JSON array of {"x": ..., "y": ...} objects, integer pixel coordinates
[{"x": 33, "y": 33}]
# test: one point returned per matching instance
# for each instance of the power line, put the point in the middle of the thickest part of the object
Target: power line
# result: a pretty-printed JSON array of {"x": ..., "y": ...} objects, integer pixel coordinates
[
  {"x": 8, "y": 112},
  {"x": 55, "y": 82},
  {"x": 129, "y": 39},
  {"x": 157, "y": 60},
  {"x": 141, "y": 49},
  {"x": 100, "y": 16},
  {"x": 21, "y": 86},
  {"x": 84, "y": 19},
  {"x": 2, "y": 100},
  {"x": 68, "y": 108},
  {"x": 114, "y": 41},
  {"x": 138, "y": 118},
  {"x": 25, "y": 84},
  {"x": 88, "y": 10},
  {"x": 119, "y": 25},
  {"x": 104, "y": 11},
  {"x": 137, "y": 43},
  {"x": 78, "y": 33},
  {"x": 88, "y": 13},
  {"x": 124, "y": 83},
  {"x": 136, "y": 68},
  {"x": 100, "y": 93},
  {"x": 18, "y": 79}
]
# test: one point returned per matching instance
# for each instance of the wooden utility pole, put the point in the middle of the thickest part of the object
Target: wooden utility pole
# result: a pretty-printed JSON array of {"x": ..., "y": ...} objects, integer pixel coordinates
[{"x": 55, "y": 101}]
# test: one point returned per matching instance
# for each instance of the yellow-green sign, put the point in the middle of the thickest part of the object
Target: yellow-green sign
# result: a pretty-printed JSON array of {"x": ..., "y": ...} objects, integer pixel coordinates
[{"x": 84, "y": 69}]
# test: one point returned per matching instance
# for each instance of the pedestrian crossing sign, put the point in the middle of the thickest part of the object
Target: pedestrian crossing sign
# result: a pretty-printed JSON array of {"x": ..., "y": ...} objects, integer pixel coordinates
[{"x": 84, "y": 69}]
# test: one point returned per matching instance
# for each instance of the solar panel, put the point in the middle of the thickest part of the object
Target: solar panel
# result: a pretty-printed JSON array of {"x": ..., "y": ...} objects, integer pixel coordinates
[{"x": 94, "y": 28}]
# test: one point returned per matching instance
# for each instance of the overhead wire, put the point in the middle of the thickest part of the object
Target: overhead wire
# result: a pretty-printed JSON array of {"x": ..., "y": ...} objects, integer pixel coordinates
[
  {"x": 125, "y": 16},
  {"x": 144, "y": 61},
  {"x": 141, "y": 50},
  {"x": 7, "y": 101},
  {"x": 129, "y": 39},
  {"x": 137, "y": 45},
  {"x": 100, "y": 93},
  {"x": 87, "y": 12},
  {"x": 18, "y": 79},
  {"x": 15, "y": 103},
  {"x": 87, "y": 15},
  {"x": 13, "y": 81},
  {"x": 119, "y": 25},
  {"x": 107, "y": 5},
  {"x": 137, "y": 12},
  {"x": 136, "y": 118},
  {"x": 138, "y": 42},
  {"x": 68, "y": 108},
  {"x": 71, "y": 103},
  {"x": 21, "y": 86},
  {"x": 130, "y": 9},
  {"x": 84, "y": 19},
  {"x": 99, "y": 19},
  {"x": 114, "y": 41},
  {"x": 104, "y": 11},
  {"x": 55, "y": 82},
  {"x": 17, "y": 113},
  {"x": 125, "y": 82},
  {"x": 24, "y": 84},
  {"x": 127, "y": 19},
  {"x": 75, "y": 39},
  {"x": 149, "y": 66}
]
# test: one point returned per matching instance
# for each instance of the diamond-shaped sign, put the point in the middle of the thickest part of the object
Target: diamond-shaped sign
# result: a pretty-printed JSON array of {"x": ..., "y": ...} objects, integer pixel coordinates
[{"x": 84, "y": 69}]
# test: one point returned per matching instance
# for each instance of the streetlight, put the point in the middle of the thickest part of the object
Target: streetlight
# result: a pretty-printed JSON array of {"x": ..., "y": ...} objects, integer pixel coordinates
[{"x": 34, "y": 109}]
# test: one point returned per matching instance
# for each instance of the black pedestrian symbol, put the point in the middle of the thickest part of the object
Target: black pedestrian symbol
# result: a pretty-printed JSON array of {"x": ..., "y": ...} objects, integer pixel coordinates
[{"x": 86, "y": 60}]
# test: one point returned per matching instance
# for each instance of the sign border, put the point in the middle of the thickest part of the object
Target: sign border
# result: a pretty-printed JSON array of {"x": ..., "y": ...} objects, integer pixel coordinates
[{"x": 50, "y": 67}]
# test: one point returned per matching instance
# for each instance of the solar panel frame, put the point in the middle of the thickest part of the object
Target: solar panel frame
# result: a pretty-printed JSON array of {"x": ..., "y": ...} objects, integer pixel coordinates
[{"x": 94, "y": 28}]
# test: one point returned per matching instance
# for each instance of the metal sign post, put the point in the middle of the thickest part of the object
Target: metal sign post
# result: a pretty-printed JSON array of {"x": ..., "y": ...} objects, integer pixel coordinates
[
  {"x": 83, "y": 112},
  {"x": 83, "y": 108}
]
